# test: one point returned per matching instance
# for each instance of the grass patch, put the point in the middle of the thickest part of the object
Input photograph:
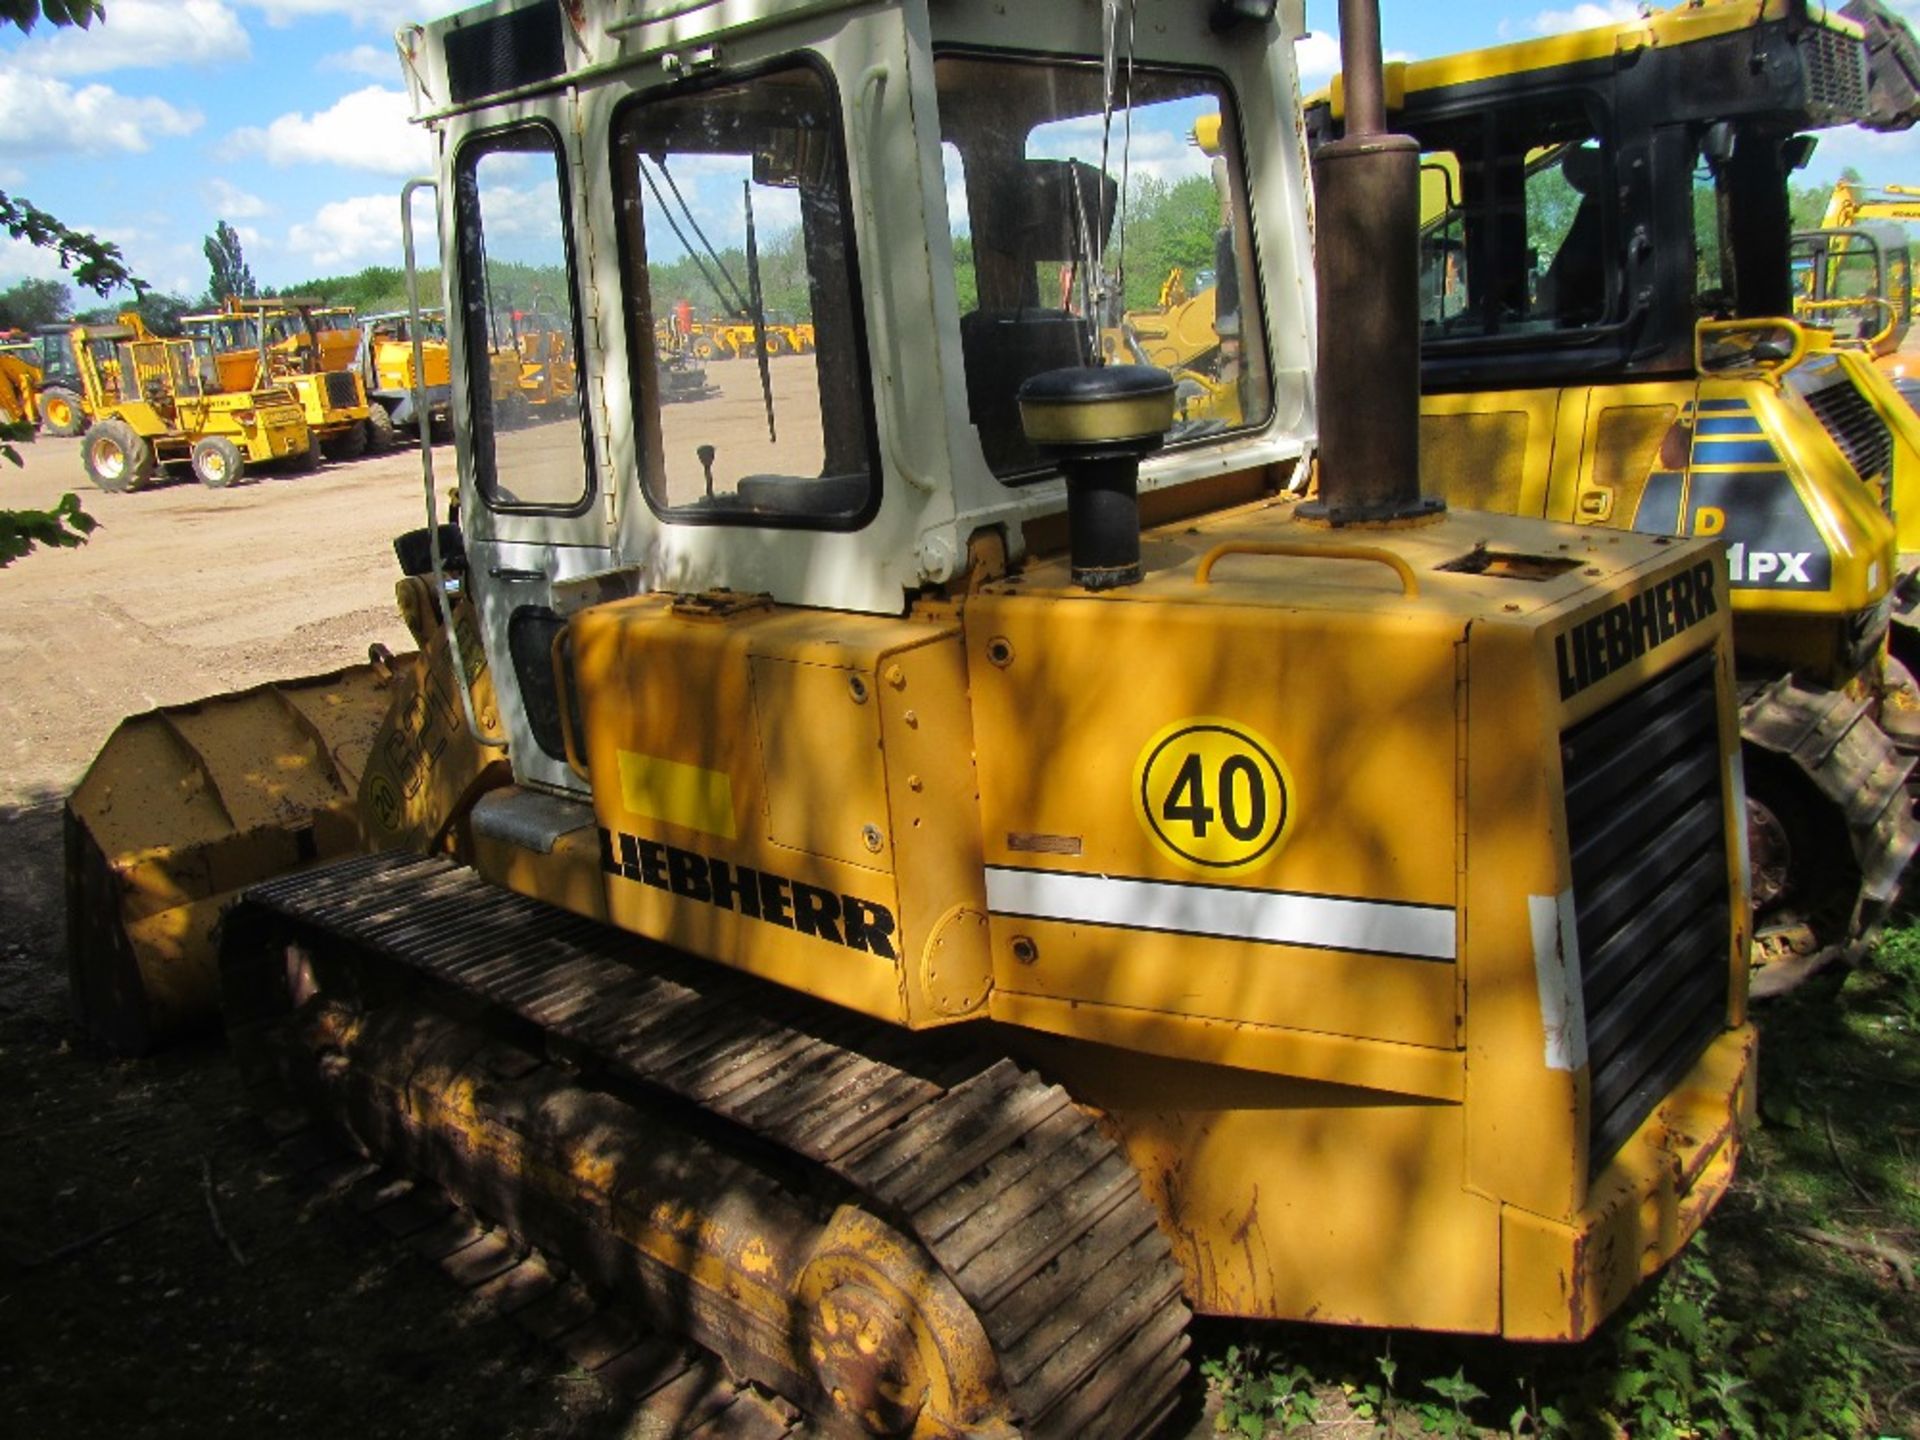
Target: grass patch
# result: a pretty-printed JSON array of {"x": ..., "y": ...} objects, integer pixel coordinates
[{"x": 1795, "y": 1313}]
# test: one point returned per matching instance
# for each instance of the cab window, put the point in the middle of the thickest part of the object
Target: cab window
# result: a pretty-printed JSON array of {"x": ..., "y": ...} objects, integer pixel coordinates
[
  {"x": 1515, "y": 225},
  {"x": 530, "y": 447},
  {"x": 1056, "y": 267},
  {"x": 746, "y": 348}
]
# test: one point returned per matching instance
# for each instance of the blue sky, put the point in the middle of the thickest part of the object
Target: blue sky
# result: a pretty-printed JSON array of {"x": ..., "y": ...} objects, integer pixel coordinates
[{"x": 287, "y": 118}]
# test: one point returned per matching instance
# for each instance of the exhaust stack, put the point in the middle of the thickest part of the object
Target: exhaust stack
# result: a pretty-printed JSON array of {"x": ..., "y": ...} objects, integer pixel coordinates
[{"x": 1366, "y": 257}]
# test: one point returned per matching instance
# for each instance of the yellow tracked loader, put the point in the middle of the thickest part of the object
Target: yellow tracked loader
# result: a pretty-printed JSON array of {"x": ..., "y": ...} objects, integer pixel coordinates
[
  {"x": 923, "y": 882},
  {"x": 1607, "y": 338}
]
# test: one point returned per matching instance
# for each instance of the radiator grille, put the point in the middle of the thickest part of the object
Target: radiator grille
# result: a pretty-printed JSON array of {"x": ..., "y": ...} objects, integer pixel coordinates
[
  {"x": 1836, "y": 74},
  {"x": 341, "y": 390},
  {"x": 1652, "y": 907},
  {"x": 503, "y": 52},
  {"x": 1852, "y": 422}
]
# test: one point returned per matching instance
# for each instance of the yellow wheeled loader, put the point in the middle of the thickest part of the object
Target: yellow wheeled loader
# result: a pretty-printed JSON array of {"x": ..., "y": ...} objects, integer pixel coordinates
[
  {"x": 158, "y": 402},
  {"x": 1607, "y": 338},
  {"x": 19, "y": 384},
  {"x": 261, "y": 343},
  {"x": 922, "y": 885}
]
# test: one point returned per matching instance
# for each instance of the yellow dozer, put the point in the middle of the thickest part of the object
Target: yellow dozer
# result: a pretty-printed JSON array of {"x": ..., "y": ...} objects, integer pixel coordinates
[
  {"x": 261, "y": 343},
  {"x": 159, "y": 402},
  {"x": 924, "y": 884},
  {"x": 1606, "y": 332}
]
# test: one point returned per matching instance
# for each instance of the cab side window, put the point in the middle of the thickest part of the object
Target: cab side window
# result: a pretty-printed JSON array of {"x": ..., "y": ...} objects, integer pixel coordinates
[{"x": 523, "y": 368}]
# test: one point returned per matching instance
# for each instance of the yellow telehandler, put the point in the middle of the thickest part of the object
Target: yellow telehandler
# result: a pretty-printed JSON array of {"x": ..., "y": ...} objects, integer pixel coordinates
[{"x": 923, "y": 884}]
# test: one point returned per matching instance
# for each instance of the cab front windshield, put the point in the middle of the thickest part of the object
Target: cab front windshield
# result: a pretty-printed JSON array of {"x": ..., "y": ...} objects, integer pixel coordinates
[{"x": 1076, "y": 240}]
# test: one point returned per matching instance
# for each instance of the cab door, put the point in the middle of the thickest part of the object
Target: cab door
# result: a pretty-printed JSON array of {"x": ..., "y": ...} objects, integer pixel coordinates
[{"x": 536, "y": 508}]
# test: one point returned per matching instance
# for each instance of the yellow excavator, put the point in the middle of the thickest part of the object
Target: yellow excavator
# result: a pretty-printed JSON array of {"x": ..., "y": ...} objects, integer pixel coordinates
[
  {"x": 1856, "y": 274},
  {"x": 1607, "y": 338},
  {"x": 922, "y": 885}
]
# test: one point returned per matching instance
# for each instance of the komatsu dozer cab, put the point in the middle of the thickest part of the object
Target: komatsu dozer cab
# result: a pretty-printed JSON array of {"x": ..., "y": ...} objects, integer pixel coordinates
[
  {"x": 1606, "y": 330},
  {"x": 258, "y": 343},
  {"x": 924, "y": 880},
  {"x": 159, "y": 403}
]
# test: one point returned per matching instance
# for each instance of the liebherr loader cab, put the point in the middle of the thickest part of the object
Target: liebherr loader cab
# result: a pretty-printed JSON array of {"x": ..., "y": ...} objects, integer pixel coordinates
[
  {"x": 1606, "y": 338},
  {"x": 921, "y": 871}
]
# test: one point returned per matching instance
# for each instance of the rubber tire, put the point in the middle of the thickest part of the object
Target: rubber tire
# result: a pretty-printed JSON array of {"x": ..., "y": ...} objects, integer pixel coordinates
[
  {"x": 60, "y": 398},
  {"x": 775, "y": 346},
  {"x": 703, "y": 349},
  {"x": 217, "y": 462},
  {"x": 349, "y": 444},
  {"x": 380, "y": 429},
  {"x": 307, "y": 463},
  {"x": 512, "y": 412},
  {"x": 112, "y": 441}
]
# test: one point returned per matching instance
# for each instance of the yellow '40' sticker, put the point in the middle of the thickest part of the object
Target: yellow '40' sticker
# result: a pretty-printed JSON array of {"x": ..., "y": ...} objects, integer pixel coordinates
[{"x": 1213, "y": 794}]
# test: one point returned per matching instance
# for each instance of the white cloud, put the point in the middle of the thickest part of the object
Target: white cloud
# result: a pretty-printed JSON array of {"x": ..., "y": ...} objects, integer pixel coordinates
[
  {"x": 40, "y": 115},
  {"x": 20, "y": 260},
  {"x": 229, "y": 202},
  {"x": 362, "y": 60},
  {"x": 1585, "y": 16},
  {"x": 380, "y": 15},
  {"x": 348, "y": 235},
  {"x": 1318, "y": 55},
  {"x": 369, "y": 129},
  {"x": 134, "y": 34}
]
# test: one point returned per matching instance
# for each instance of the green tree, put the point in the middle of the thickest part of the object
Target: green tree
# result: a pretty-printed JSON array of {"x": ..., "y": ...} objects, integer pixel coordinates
[
  {"x": 1169, "y": 223},
  {"x": 159, "y": 309},
  {"x": 95, "y": 263},
  {"x": 232, "y": 276},
  {"x": 33, "y": 303}
]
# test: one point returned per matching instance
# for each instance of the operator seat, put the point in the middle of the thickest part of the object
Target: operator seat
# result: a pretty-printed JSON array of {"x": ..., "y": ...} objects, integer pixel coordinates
[{"x": 1042, "y": 213}]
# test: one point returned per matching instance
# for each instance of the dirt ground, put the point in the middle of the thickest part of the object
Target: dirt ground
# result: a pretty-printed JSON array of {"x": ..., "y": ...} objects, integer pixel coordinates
[{"x": 121, "y": 1310}]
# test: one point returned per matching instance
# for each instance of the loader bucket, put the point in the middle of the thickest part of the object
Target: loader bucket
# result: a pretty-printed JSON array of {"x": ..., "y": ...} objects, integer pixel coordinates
[{"x": 183, "y": 807}]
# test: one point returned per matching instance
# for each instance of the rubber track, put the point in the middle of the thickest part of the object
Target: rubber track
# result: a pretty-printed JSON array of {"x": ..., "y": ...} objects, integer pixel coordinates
[{"x": 1033, "y": 1212}]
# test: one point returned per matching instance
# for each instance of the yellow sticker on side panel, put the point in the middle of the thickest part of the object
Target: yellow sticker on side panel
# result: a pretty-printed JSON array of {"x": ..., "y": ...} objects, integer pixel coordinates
[
  {"x": 684, "y": 795},
  {"x": 1214, "y": 795}
]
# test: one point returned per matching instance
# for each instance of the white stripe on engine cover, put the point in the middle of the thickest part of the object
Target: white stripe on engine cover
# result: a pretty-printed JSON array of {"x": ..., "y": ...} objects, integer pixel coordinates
[
  {"x": 1274, "y": 917},
  {"x": 1556, "y": 968}
]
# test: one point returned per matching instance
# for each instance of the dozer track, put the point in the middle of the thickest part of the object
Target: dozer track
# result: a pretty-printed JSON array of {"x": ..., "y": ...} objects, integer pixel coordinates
[
  {"x": 1849, "y": 761},
  {"x": 899, "y": 1233}
]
